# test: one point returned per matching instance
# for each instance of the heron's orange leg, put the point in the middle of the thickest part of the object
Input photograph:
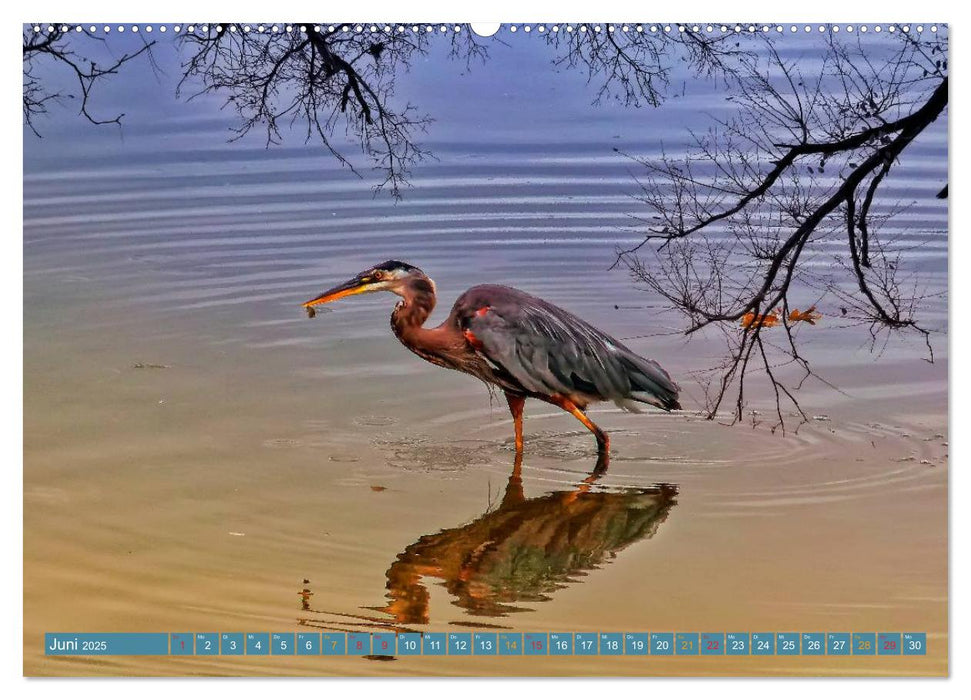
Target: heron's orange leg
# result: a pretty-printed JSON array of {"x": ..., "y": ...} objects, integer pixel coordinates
[
  {"x": 603, "y": 440},
  {"x": 516, "y": 409}
]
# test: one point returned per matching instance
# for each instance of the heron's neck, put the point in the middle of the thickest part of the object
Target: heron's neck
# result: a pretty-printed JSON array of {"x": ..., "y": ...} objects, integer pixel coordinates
[{"x": 418, "y": 301}]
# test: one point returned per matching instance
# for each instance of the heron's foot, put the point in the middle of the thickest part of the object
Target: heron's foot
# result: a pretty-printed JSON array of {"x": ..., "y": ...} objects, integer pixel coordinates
[
  {"x": 603, "y": 445},
  {"x": 603, "y": 461}
]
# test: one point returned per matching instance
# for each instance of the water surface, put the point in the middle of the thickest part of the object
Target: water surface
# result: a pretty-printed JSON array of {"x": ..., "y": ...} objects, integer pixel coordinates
[{"x": 201, "y": 456}]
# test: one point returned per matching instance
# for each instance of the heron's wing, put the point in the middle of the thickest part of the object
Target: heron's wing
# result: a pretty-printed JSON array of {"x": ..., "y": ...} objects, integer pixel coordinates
[{"x": 550, "y": 351}]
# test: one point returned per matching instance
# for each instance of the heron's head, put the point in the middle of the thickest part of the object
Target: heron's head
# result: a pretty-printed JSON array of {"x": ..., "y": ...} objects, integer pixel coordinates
[{"x": 391, "y": 276}]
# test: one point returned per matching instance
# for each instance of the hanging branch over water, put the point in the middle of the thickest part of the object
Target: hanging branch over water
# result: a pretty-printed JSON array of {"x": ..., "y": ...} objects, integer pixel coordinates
[
  {"x": 634, "y": 67},
  {"x": 59, "y": 49},
  {"x": 736, "y": 222},
  {"x": 318, "y": 82},
  {"x": 801, "y": 170}
]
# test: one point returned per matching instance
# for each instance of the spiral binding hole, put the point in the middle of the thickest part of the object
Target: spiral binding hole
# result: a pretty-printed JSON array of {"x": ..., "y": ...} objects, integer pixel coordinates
[{"x": 511, "y": 28}]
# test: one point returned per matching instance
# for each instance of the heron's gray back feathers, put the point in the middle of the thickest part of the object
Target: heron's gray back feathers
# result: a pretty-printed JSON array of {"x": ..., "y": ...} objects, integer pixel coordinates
[{"x": 548, "y": 350}]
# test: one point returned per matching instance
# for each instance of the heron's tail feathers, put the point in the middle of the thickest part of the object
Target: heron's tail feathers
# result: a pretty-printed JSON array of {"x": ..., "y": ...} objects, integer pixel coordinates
[{"x": 650, "y": 383}]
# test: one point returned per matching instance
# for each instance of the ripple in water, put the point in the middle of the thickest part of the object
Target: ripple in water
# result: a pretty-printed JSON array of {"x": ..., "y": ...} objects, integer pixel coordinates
[
  {"x": 422, "y": 454},
  {"x": 375, "y": 421}
]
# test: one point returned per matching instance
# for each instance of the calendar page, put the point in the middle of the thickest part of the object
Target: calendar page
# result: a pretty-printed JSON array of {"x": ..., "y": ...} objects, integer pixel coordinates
[{"x": 523, "y": 349}]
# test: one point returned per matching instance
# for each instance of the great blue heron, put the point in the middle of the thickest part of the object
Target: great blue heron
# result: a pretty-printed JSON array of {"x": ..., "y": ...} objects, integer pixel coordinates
[{"x": 527, "y": 347}]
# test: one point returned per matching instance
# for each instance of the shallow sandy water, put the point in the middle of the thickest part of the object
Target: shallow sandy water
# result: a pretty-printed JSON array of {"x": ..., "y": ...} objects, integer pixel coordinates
[{"x": 200, "y": 496}]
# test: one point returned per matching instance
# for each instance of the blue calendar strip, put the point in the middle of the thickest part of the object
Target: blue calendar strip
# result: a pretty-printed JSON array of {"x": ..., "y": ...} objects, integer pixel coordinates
[{"x": 472, "y": 644}]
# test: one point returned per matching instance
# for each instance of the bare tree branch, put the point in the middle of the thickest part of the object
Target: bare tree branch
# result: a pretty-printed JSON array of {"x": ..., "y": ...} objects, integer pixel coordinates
[
  {"x": 733, "y": 220},
  {"x": 58, "y": 48},
  {"x": 322, "y": 80},
  {"x": 634, "y": 67}
]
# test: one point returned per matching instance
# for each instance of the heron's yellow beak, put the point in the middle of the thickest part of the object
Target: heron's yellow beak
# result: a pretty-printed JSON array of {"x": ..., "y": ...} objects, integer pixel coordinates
[{"x": 349, "y": 288}]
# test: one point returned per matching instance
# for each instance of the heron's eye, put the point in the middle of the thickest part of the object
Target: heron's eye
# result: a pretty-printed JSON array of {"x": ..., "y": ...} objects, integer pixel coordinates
[{"x": 378, "y": 275}]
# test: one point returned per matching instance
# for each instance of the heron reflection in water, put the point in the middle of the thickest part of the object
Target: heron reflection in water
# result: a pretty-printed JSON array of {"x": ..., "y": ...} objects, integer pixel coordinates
[
  {"x": 524, "y": 345},
  {"x": 524, "y": 550}
]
